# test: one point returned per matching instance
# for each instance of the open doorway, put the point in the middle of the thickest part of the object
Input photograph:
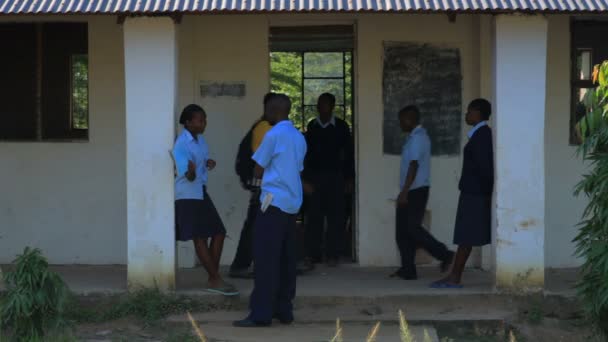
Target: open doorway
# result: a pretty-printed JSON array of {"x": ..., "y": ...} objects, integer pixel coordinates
[{"x": 306, "y": 62}]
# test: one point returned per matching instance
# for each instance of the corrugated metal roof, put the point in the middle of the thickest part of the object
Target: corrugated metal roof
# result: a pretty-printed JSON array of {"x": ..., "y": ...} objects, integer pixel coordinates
[{"x": 278, "y": 6}]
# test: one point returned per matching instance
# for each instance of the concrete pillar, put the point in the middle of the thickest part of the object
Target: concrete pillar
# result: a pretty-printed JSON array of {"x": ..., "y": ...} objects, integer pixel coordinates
[
  {"x": 150, "y": 80},
  {"x": 520, "y": 62}
]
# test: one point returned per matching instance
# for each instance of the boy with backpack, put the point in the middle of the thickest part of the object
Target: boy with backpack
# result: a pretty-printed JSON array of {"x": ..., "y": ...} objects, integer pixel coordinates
[{"x": 244, "y": 167}]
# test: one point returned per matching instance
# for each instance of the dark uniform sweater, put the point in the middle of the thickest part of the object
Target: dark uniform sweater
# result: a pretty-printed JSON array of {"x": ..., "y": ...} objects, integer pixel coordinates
[{"x": 330, "y": 151}]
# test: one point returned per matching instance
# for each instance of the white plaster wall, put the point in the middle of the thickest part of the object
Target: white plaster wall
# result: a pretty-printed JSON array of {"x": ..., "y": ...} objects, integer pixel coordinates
[
  {"x": 563, "y": 167},
  {"x": 225, "y": 48},
  {"x": 69, "y": 199}
]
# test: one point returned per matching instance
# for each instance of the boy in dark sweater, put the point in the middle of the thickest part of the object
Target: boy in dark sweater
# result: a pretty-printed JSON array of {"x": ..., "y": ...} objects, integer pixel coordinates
[{"x": 329, "y": 168}]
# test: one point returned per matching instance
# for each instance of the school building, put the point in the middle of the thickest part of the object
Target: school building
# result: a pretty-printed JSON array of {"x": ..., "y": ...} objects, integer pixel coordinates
[{"x": 91, "y": 91}]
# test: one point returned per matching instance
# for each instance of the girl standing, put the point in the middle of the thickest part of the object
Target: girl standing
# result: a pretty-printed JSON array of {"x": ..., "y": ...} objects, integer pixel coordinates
[{"x": 195, "y": 215}]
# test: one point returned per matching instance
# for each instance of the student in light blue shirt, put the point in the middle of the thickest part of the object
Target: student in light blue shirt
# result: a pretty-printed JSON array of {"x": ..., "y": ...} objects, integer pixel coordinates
[
  {"x": 414, "y": 184},
  {"x": 280, "y": 159},
  {"x": 196, "y": 218}
]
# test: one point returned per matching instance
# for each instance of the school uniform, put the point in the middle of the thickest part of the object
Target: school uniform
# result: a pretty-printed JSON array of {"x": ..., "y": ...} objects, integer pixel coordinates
[
  {"x": 195, "y": 213},
  {"x": 409, "y": 231},
  {"x": 329, "y": 163},
  {"x": 281, "y": 154},
  {"x": 474, "y": 215},
  {"x": 244, "y": 252}
]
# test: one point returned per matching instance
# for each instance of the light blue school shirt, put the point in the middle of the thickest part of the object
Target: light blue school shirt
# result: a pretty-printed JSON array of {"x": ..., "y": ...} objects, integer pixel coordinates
[
  {"x": 281, "y": 154},
  {"x": 187, "y": 148},
  {"x": 416, "y": 147}
]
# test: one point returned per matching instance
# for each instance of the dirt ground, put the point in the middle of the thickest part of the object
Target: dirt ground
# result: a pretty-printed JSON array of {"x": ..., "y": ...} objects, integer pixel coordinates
[{"x": 548, "y": 330}]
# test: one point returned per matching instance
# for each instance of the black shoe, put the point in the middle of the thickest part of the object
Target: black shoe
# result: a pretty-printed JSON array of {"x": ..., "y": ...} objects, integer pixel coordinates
[
  {"x": 285, "y": 320},
  {"x": 404, "y": 275},
  {"x": 444, "y": 266},
  {"x": 248, "y": 323}
]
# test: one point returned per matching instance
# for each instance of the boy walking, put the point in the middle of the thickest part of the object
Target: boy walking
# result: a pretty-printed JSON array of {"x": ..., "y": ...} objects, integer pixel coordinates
[{"x": 414, "y": 186}]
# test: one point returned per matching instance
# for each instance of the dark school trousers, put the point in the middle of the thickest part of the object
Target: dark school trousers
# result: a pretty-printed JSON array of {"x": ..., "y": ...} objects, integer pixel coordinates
[
  {"x": 411, "y": 235},
  {"x": 274, "y": 255}
]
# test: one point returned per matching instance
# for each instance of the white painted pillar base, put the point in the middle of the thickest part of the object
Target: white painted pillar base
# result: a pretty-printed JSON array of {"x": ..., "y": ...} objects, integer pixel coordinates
[
  {"x": 520, "y": 71},
  {"x": 186, "y": 255},
  {"x": 150, "y": 79}
]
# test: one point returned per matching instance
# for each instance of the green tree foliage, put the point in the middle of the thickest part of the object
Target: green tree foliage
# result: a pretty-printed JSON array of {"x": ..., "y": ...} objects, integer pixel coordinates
[
  {"x": 80, "y": 92},
  {"x": 305, "y": 76},
  {"x": 592, "y": 239}
]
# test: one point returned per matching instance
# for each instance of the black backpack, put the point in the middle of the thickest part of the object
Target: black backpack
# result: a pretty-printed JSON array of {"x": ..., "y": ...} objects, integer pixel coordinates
[{"x": 244, "y": 164}]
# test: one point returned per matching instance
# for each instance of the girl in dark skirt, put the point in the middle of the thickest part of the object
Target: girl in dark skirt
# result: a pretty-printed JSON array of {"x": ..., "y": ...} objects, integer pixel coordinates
[
  {"x": 474, "y": 215},
  {"x": 196, "y": 218}
]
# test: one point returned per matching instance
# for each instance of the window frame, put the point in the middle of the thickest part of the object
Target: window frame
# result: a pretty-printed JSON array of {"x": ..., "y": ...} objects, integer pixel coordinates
[
  {"x": 41, "y": 55},
  {"x": 345, "y": 105}
]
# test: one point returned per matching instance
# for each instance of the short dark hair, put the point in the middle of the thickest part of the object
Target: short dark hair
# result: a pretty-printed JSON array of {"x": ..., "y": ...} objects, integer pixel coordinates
[
  {"x": 410, "y": 109},
  {"x": 280, "y": 102},
  {"x": 189, "y": 111},
  {"x": 329, "y": 97},
  {"x": 268, "y": 96},
  {"x": 283, "y": 102},
  {"x": 483, "y": 106}
]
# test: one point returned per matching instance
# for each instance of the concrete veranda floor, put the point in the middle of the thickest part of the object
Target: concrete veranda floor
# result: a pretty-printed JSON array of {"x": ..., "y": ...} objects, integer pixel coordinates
[{"x": 349, "y": 281}]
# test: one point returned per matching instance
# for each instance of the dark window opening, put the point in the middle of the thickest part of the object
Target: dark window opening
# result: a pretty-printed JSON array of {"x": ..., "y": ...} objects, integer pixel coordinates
[
  {"x": 304, "y": 63},
  {"x": 45, "y": 91}
]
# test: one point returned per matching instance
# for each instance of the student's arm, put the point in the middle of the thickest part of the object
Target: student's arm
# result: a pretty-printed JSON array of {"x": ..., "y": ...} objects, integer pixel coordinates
[
  {"x": 306, "y": 175},
  {"x": 264, "y": 154},
  {"x": 183, "y": 164},
  {"x": 349, "y": 159},
  {"x": 483, "y": 155},
  {"x": 412, "y": 171},
  {"x": 258, "y": 171},
  {"x": 308, "y": 158},
  {"x": 415, "y": 151}
]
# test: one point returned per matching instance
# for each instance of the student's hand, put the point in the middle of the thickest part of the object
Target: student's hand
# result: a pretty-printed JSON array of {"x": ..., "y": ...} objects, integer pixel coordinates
[
  {"x": 308, "y": 188},
  {"x": 402, "y": 199},
  {"x": 191, "y": 174},
  {"x": 211, "y": 164}
]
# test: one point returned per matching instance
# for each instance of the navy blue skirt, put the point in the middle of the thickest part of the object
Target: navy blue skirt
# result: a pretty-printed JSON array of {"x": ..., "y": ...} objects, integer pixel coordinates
[
  {"x": 197, "y": 219},
  {"x": 473, "y": 220}
]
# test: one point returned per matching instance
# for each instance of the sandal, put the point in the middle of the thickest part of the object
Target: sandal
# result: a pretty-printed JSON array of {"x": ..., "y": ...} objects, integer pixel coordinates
[{"x": 224, "y": 289}]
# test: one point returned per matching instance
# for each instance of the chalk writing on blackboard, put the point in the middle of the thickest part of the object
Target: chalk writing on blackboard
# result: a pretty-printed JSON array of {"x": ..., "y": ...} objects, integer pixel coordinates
[{"x": 429, "y": 77}]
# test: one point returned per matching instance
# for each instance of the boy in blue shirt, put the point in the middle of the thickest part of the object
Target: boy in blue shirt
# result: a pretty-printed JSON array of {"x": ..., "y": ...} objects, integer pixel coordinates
[
  {"x": 280, "y": 160},
  {"x": 415, "y": 182}
]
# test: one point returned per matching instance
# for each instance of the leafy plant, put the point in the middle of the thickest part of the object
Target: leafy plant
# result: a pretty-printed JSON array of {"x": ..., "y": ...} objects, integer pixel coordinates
[
  {"x": 592, "y": 239},
  {"x": 36, "y": 297}
]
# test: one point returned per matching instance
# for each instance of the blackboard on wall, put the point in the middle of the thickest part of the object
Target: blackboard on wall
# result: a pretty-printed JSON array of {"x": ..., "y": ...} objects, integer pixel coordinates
[{"x": 429, "y": 77}]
